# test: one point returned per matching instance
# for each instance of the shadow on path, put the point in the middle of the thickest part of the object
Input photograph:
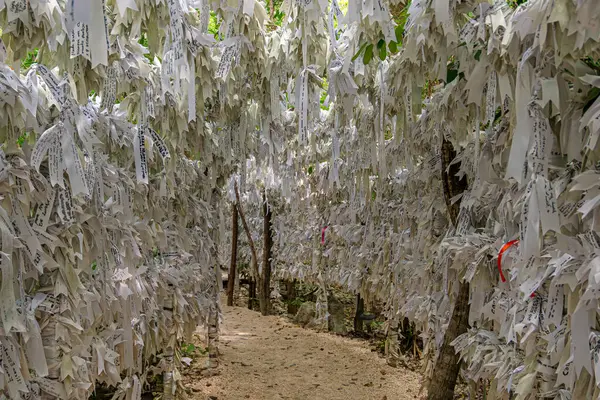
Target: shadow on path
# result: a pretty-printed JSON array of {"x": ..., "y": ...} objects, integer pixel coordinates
[{"x": 267, "y": 358}]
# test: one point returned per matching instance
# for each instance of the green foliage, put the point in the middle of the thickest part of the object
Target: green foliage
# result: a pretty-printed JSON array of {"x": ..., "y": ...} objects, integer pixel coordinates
[
  {"x": 591, "y": 98},
  {"x": 324, "y": 94},
  {"x": 277, "y": 16},
  {"x": 21, "y": 139},
  {"x": 400, "y": 16},
  {"x": 451, "y": 75},
  {"x": 359, "y": 52},
  {"x": 497, "y": 116},
  {"x": 30, "y": 59},
  {"x": 368, "y": 54},
  {"x": 213, "y": 25},
  {"x": 400, "y": 20},
  {"x": 515, "y": 3},
  {"x": 295, "y": 302},
  {"x": 592, "y": 63},
  {"x": 382, "y": 49},
  {"x": 189, "y": 350},
  {"x": 375, "y": 325},
  {"x": 343, "y": 4},
  {"x": 427, "y": 89},
  {"x": 144, "y": 42},
  {"x": 452, "y": 70}
]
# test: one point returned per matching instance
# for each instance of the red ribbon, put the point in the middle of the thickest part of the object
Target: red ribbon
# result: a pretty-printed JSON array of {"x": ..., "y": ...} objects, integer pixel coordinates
[
  {"x": 506, "y": 246},
  {"x": 502, "y": 250},
  {"x": 323, "y": 235}
]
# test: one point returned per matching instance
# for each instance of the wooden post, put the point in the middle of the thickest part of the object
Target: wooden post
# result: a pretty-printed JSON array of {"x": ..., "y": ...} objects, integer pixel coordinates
[
  {"x": 234, "y": 246},
  {"x": 360, "y": 310}
]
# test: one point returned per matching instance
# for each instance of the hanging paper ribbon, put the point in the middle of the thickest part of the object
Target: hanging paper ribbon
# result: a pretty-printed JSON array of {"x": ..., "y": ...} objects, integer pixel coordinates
[
  {"x": 506, "y": 246},
  {"x": 323, "y": 235},
  {"x": 502, "y": 250}
]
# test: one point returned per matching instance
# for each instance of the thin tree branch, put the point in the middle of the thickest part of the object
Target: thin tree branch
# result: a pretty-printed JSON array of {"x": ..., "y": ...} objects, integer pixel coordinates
[
  {"x": 247, "y": 230},
  {"x": 234, "y": 246}
]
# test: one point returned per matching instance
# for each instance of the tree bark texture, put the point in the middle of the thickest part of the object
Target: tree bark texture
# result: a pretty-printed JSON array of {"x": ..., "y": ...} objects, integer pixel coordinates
[
  {"x": 360, "y": 310},
  {"x": 213, "y": 315},
  {"x": 213, "y": 338},
  {"x": 290, "y": 295},
  {"x": 447, "y": 366},
  {"x": 251, "y": 294},
  {"x": 322, "y": 307},
  {"x": 264, "y": 300},
  {"x": 168, "y": 382},
  {"x": 256, "y": 275},
  {"x": 448, "y": 363},
  {"x": 234, "y": 246},
  {"x": 392, "y": 349}
]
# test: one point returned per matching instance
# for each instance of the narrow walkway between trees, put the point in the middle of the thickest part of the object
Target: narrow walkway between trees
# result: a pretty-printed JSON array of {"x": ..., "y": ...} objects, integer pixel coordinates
[{"x": 268, "y": 358}]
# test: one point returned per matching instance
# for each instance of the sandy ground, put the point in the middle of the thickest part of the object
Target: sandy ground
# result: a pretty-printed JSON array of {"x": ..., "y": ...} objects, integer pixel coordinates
[{"x": 268, "y": 358}]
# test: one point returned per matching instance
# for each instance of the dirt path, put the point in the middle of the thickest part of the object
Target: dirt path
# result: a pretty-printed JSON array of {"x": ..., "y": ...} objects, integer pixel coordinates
[{"x": 267, "y": 358}]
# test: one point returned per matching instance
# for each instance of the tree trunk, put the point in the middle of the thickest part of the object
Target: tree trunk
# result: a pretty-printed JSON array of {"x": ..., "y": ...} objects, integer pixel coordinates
[
  {"x": 213, "y": 315},
  {"x": 265, "y": 280},
  {"x": 360, "y": 310},
  {"x": 292, "y": 307},
  {"x": 168, "y": 381},
  {"x": 448, "y": 363},
  {"x": 256, "y": 275},
  {"x": 251, "y": 293},
  {"x": 392, "y": 349},
  {"x": 213, "y": 338},
  {"x": 234, "y": 246}
]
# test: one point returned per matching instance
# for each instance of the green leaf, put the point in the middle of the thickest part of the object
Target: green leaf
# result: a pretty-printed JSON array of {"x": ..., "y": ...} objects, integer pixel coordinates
[
  {"x": 393, "y": 47},
  {"x": 310, "y": 169},
  {"x": 382, "y": 53},
  {"x": 30, "y": 59},
  {"x": 21, "y": 139},
  {"x": 478, "y": 55},
  {"x": 451, "y": 75},
  {"x": 381, "y": 43},
  {"x": 591, "y": 98},
  {"x": 399, "y": 31},
  {"x": 360, "y": 50},
  {"x": 368, "y": 54}
]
